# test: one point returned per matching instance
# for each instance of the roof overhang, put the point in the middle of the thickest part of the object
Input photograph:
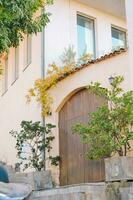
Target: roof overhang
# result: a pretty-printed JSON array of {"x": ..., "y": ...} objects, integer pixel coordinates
[
  {"x": 113, "y": 7},
  {"x": 91, "y": 62}
]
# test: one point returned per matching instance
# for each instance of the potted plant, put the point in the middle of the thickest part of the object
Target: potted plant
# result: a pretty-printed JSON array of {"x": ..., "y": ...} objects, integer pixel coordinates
[
  {"x": 110, "y": 130},
  {"x": 31, "y": 143}
]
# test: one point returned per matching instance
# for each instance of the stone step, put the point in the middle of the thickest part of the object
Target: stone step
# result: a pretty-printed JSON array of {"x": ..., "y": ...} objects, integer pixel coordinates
[{"x": 78, "y": 192}]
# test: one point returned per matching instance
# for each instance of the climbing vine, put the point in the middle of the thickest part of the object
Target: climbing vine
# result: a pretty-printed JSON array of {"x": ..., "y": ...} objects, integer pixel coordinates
[{"x": 41, "y": 86}]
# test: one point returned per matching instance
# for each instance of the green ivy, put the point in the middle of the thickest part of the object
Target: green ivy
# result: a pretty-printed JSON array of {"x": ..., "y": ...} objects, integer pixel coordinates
[{"x": 17, "y": 17}]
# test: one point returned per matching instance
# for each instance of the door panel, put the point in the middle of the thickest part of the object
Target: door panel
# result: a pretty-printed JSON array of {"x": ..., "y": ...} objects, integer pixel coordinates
[
  {"x": 75, "y": 167},
  {"x": 75, "y": 155}
]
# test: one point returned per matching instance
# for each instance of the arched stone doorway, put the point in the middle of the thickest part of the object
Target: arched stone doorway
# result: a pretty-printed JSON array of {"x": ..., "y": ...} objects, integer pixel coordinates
[{"x": 74, "y": 167}]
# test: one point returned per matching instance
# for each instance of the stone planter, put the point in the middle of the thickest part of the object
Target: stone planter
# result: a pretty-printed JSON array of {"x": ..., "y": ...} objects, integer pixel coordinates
[
  {"x": 38, "y": 180},
  {"x": 119, "y": 168}
]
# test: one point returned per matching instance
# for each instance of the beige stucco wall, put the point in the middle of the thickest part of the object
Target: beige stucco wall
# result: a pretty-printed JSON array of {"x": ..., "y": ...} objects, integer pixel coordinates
[
  {"x": 129, "y": 14},
  {"x": 13, "y": 107},
  {"x": 62, "y": 29},
  {"x": 96, "y": 72},
  {"x": 60, "y": 33}
]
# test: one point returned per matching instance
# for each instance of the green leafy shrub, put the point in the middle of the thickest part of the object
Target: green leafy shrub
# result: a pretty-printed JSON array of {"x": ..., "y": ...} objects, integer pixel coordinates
[
  {"x": 32, "y": 140},
  {"x": 18, "y": 18},
  {"x": 110, "y": 128}
]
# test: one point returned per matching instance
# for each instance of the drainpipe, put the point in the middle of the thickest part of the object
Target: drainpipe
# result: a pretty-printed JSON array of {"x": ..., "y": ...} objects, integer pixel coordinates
[
  {"x": 43, "y": 70},
  {"x": 43, "y": 50}
]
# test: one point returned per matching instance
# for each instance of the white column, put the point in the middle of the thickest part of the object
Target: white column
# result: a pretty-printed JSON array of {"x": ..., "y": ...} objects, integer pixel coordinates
[{"x": 129, "y": 16}]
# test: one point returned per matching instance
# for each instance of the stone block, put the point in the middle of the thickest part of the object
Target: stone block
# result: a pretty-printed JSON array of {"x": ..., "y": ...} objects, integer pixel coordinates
[
  {"x": 119, "y": 168},
  {"x": 97, "y": 196},
  {"x": 130, "y": 197},
  {"x": 124, "y": 193},
  {"x": 71, "y": 196},
  {"x": 88, "y": 191},
  {"x": 38, "y": 180}
]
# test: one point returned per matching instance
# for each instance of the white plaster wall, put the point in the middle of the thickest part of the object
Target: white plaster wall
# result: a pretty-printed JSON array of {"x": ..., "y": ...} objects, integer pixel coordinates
[
  {"x": 62, "y": 30},
  {"x": 129, "y": 14},
  {"x": 96, "y": 72},
  {"x": 13, "y": 107}
]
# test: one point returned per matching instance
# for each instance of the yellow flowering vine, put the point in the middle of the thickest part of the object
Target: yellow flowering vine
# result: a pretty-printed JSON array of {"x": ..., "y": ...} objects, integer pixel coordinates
[{"x": 41, "y": 87}]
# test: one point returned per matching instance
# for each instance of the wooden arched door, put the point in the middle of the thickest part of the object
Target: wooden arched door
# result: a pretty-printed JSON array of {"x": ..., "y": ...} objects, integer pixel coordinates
[{"x": 74, "y": 167}]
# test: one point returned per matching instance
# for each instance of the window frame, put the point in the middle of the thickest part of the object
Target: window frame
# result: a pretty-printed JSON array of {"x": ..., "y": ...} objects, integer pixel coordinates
[
  {"x": 5, "y": 76},
  {"x": 122, "y": 30},
  {"x": 15, "y": 73},
  {"x": 93, "y": 19},
  {"x": 27, "y": 51}
]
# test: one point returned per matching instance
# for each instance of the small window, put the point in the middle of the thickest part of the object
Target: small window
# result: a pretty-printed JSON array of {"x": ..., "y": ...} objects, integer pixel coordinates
[
  {"x": 5, "y": 77},
  {"x": 86, "y": 36},
  {"x": 118, "y": 38},
  {"x": 16, "y": 64},
  {"x": 28, "y": 50}
]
